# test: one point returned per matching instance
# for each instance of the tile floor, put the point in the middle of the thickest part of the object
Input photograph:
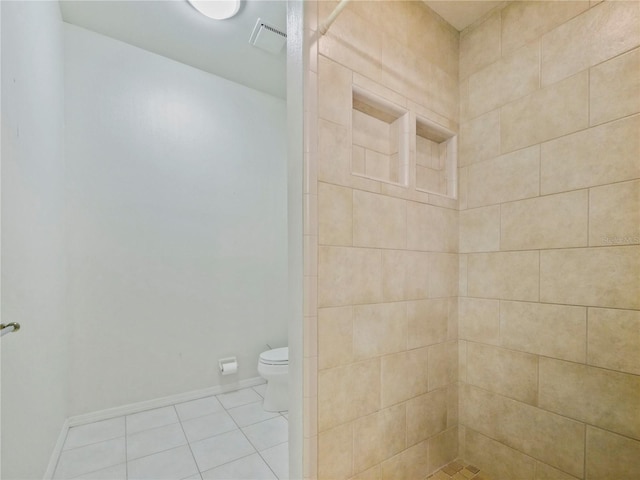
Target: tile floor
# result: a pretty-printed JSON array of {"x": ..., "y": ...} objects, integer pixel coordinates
[
  {"x": 458, "y": 470},
  {"x": 227, "y": 436}
]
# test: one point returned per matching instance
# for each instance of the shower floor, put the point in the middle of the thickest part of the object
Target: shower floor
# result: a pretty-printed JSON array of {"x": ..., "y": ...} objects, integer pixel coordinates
[
  {"x": 218, "y": 437},
  {"x": 458, "y": 470}
]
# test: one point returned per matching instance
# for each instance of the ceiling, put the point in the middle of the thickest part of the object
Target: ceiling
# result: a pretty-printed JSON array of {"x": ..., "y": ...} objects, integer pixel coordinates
[
  {"x": 461, "y": 14},
  {"x": 174, "y": 29}
]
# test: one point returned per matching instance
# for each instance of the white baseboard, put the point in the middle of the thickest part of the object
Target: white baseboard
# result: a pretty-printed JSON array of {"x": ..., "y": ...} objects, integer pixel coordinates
[
  {"x": 139, "y": 407},
  {"x": 160, "y": 402},
  {"x": 57, "y": 450}
]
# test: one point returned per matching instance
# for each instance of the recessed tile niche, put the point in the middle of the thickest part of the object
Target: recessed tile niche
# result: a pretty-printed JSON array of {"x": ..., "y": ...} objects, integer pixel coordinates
[
  {"x": 380, "y": 139},
  {"x": 436, "y": 159}
]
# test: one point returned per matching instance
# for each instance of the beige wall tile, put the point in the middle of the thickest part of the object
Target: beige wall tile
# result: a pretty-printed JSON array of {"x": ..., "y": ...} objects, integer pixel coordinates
[
  {"x": 379, "y": 329},
  {"x": 443, "y": 275},
  {"x": 614, "y": 339},
  {"x": 596, "y": 35},
  {"x": 435, "y": 87},
  {"x": 394, "y": 272},
  {"x": 462, "y": 361},
  {"x": 334, "y": 92},
  {"x": 397, "y": 385},
  {"x": 443, "y": 365},
  {"x": 358, "y": 161},
  {"x": 480, "y": 46},
  {"x": 411, "y": 463},
  {"x": 463, "y": 182},
  {"x": 550, "y": 112},
  {"x": 508, "y": 79},
  {"x": 479, "y": 139},
  {"x": 370, "y": 132},
  {"x": 443, "y": 449},
  {"x": 480, "y": 229},
  {"x": 349, "y": 392},
  {"x": 335, "y": 453},
  {"x": 426, "y": 416},
  {"x": 496, "y": 459},
  {"x": 334, "y": 153},
  {"x": 432, "y": 229},
  {"x": 335, "y": 336},
  {"x": 367, "y": 442},
  {"x": 614, "y": 214},
  {"x": 427, "y": 28},
  {"x": 479, "y": 410},
  {"x": 379, "y": 90},
  {"x": 427, "y": 322},
  {"x": 452, "y": 404},
  {"x": 463, "y": 92},
  {"x": 379, "y": 221},
  {"x": 599, "y": 397},
  {"x": 479, "y": 320},
  {"x": 394, "y": 72},
  {"x": 547, "y": 472},
  {"x": 335, "y": 215},
  {"x": 592, "y": 157},
  {"x": 550, "y": 438},
  {"x": 523, "y": 22},
  {"x": 613, "y": 275},
  {"x": 374, "y": 473},
  {"x": 452, "y": 328},
  {"x": 554, "y": 221},
  {"x": 349, "y": 276},
  {"x": 353, "y": 43},
  {"x": 462, "y": 275},
  {"x": 509, "y": 177},
  {"x": 405, "y": 275},
  {"x": 416, "y": 284},
  {"x": 504, "y": 275},
  {"x": 558, "y": 331},
  {"x": 506, "y": 372},
  {"x": 610, "y": 456},
  {"x": 394, "y": 425},
  {"x": 615, "y": 88}
]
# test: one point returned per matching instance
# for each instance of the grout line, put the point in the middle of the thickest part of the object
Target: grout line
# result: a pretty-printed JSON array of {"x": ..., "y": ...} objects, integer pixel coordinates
[
  {"x": 251, "y": 443},
  {"x": 187, "y": 440},
  {"x": 564, "y": 416},
  {"x": 586, "y": 343},
  {"x": 589, "y": 95}
]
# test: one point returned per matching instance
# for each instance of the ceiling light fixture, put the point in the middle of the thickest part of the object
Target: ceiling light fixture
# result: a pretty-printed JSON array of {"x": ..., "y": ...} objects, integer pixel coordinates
[{"x": 216, "y": 9}]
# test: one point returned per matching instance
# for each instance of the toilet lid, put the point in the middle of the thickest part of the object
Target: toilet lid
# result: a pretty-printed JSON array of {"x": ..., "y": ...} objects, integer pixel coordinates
[{"x": 277, "y": 356}]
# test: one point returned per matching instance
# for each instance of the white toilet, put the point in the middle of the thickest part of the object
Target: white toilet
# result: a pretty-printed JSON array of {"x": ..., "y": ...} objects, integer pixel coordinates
[{"x": 273, "y": 366}]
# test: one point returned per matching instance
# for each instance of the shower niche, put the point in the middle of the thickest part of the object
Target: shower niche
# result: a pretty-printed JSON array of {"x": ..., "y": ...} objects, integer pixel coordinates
[
  {"x": 436, "y": 159},
  {"x": 380, "y": 140}
]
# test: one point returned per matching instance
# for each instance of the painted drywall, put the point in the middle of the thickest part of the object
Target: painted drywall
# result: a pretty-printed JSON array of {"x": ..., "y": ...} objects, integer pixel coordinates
[
  {"x": 34, "y": 360},
  {"x": 177, "y": 223},
  {"x": 295, "y": 172}
]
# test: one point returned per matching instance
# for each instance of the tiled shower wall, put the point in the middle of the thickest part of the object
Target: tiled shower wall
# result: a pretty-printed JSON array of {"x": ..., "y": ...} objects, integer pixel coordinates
[
  {"x": 387, "y": 264},
  {"x": 549, "y": 233}
]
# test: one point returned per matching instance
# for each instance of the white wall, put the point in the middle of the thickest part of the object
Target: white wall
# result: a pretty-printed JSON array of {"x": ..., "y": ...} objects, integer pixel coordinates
[
  {"x": 177, "y": 200},
  {"x": 34, "y": 360}
]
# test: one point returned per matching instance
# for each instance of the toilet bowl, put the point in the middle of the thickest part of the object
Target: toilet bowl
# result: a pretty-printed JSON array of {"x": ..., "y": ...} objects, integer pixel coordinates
[{"x": 273, "y": 366}]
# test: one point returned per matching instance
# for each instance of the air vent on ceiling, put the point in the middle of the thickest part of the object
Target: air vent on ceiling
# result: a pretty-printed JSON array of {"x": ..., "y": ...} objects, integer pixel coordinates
[{"x": 268, "y": 37}]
